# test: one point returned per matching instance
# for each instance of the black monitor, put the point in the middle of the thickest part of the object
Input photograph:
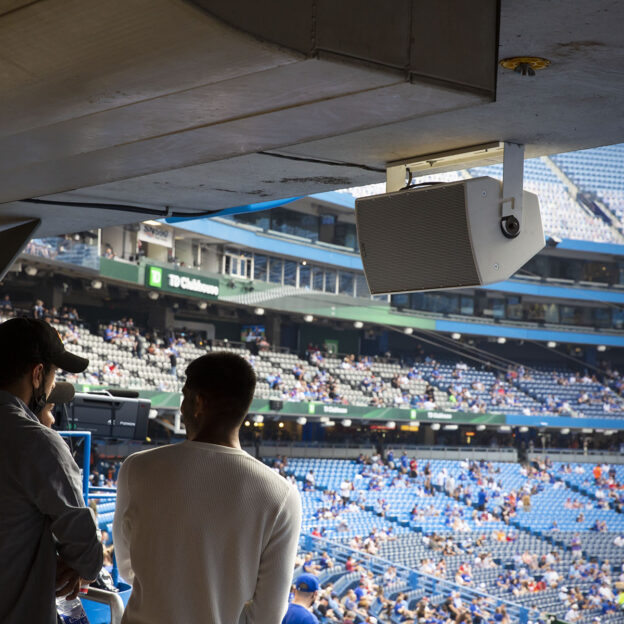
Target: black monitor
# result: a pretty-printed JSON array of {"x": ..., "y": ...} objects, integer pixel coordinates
[{"x": 107, "y": 416}]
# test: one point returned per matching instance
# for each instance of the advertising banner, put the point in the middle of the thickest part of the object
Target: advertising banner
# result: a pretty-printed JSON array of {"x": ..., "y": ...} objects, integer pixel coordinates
[
  {"x": 180, "y": 282},
  {"x": 336, "y": 411},
  {"x": 155, "y": 234}
]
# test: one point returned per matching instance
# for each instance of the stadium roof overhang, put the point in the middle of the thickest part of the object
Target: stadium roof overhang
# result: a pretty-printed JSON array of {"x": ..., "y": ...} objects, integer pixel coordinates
[{"x": 197, "y": 106}]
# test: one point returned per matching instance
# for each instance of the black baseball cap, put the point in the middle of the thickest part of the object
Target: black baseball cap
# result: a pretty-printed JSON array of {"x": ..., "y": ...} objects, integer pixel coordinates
[{"x": 40, "y": 342}]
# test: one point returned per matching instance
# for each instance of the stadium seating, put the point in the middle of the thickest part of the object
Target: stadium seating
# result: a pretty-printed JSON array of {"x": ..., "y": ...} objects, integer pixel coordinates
[
  {"x": 531, "y": 532},
  {"x": 366, "y": 381},
  {"x": 600, "y": 170},
  {"x": 429, "y": 384}
]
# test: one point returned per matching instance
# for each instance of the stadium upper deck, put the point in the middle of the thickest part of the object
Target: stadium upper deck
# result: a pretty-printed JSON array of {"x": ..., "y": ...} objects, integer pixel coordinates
[{"x": 581, "y": 194}]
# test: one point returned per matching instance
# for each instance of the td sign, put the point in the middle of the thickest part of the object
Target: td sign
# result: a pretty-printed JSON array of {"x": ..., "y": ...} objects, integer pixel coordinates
[
  {"x": 154, "y": 278},
  {"x": 181, "y": 283}
]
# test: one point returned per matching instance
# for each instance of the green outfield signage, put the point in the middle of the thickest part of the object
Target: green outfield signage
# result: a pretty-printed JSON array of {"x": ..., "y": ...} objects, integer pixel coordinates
[
  {"x": 181, "y": 283},
  {"x": 172, "y": 401},
  {"x": 334, "y": 411}
]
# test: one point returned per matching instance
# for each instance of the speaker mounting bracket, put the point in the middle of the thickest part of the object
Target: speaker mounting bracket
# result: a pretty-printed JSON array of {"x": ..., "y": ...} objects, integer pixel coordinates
[
  {"x": 511, "y": 202},
  {"x": 399, "y": 172}
]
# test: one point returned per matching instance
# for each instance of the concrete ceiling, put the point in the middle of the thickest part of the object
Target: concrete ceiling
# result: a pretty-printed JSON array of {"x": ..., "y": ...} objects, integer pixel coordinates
[{"x": 176, "y": 105}]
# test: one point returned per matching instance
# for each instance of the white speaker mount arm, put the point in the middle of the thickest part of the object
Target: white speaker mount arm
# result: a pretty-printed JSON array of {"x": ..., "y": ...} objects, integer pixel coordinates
[
  {"x": 511, "y": 154},
  {"x": 511, "y": 202}
]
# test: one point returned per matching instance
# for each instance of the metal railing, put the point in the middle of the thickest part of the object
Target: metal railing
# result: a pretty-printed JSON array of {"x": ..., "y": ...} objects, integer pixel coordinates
[
  {"x": 86, "y": 458},
  {"x": 111, "y": 599},
  {"x": 413, "y": 578}
]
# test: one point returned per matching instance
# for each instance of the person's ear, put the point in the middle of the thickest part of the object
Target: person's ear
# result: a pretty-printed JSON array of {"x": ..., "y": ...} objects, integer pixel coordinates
[
  {"x": 37, "y": 375},
  {"x": 199, "y": 406}
]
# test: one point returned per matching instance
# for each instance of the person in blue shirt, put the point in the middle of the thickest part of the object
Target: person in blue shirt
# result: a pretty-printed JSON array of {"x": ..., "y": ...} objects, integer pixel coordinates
[
  {"x": 481, "y": 500},
  {"x": 306, "y": 589},
  {"x": 404, "y": 462}
]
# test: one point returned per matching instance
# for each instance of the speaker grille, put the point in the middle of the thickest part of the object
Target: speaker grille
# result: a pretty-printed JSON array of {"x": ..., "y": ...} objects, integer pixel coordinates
[{"x": 416, "y": 240}]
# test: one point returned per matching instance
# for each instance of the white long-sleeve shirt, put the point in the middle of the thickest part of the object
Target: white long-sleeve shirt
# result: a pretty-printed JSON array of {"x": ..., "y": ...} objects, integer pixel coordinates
[{"x": 205, "y": 533}]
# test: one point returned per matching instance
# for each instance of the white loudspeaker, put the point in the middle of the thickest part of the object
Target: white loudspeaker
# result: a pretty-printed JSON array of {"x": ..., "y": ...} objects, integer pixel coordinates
[{"x": 443, "y": 236}]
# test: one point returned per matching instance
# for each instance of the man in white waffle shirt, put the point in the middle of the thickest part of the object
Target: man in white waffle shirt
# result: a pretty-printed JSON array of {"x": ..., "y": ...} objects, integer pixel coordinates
[{"x": 203, "y": 531}]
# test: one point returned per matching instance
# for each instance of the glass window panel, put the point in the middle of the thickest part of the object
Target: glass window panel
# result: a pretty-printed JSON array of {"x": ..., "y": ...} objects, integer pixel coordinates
[
  {"x": 620, "y": 273},
  {"x": 602, "y": 317},
  {"x": 567, "y": 315},
  {"x": 551, "y": 313},
  {"x": 317, "y": 278},
  {"x": 345, "y": 285},
  {"x": 290, "y": 273},
  {"x": 498, "y": 308},
  {"x": 466, "y": 306},
  {"x": 535, "y": 312},
  {"x": 304, "y": 276},
  {"x": 361, "y": 287},
  {"x": 260, "y": 219},
  {"x": 296, "y": 223},
  {"x": 330, "y": 281},
  {"x": 514, "y": 308},
  {"x": 442, "y": 304},
  {"x": 275, "y": 270},
  {"x": 260, "y": 268},
  {"x": 400, "y": 301}
]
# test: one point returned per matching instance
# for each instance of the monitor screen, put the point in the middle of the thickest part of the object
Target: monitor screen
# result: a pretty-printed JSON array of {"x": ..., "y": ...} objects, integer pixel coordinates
[
  {"x": 252, "y": 333},
  {"x": 107, "y": 416}
]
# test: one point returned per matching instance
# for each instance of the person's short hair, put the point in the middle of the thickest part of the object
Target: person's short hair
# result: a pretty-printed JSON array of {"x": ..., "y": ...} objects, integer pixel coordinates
[{"x": 224, "y": 378}]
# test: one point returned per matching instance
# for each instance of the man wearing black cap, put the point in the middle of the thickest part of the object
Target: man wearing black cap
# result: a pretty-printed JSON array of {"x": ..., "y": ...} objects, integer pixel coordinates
[{"x": 48, "y": 538}]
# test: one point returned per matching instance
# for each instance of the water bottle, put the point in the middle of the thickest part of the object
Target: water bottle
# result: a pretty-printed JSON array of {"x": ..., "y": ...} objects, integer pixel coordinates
[{"x": 71, "y": 611}]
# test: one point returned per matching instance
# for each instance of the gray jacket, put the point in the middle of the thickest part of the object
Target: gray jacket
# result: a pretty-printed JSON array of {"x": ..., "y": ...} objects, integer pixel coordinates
[{"x": 42, "y": 513}]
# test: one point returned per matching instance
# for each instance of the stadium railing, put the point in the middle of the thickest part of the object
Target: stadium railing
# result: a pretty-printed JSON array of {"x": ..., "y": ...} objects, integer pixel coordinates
[
  {"x": 577, "y": 456},
  {"x": 414, "y": 578},
  {"x": 353, "y": 450}
]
